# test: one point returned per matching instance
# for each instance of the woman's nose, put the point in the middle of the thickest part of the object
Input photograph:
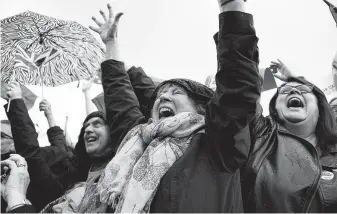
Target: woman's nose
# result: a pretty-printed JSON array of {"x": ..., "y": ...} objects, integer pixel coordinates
[
  {"x": 88, "y": 130},
  {"x": 165, "y": 98},
  {"x": 294, "y": 90}
]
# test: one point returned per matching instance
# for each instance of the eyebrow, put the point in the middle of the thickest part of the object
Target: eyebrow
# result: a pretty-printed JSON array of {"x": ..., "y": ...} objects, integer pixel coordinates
[
  {"x": 175, "y": 87},
  {"x": 94, "y": 121}
]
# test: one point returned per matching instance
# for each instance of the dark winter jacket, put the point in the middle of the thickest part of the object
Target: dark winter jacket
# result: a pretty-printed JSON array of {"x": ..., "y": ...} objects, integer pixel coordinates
[
  {"x": 286, "y": 173},
  {"x": 207, "y": 177},
  {"x": 142, "y": 85}
]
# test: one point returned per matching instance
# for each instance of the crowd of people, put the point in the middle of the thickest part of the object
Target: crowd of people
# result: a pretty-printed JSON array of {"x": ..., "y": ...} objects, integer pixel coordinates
[{"x": 180, "y": 146}]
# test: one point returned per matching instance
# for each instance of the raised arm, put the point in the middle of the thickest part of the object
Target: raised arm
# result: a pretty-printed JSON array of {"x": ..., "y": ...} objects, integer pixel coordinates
[
  {"x": 55, "y": 134},
  {"x": 48, "y": 113},
  {"x": 143, "y": 86},
  {"x": 23, "y": 130},
  {"x": 122, "y": 106},
  {"x": 26, "y": 144},
  {"x": 234, "y": 104},
  {"x": 89, "y": 105}
]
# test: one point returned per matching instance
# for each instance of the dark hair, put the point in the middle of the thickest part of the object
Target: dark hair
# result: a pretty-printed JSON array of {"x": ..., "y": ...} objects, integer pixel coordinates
[{"x": 326, "y": 128}]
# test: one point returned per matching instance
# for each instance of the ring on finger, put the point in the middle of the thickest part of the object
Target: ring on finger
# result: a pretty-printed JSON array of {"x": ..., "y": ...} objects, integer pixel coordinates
[{"x": 21, "y": 165}]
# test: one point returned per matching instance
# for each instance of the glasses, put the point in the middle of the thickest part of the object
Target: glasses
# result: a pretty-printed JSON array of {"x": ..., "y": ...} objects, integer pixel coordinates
[
  {"x": 334, "y": 108},
  {"x": 303, "y": 89},
  {"x": 5, "y": 136}
]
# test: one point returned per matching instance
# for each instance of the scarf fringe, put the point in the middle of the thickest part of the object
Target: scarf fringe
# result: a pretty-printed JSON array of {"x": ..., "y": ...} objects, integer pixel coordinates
[{"x": 110, "y": 198}]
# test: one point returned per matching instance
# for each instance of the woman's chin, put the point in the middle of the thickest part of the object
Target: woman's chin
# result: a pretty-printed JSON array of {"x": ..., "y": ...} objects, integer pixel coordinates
[{"x": 295, "y": 119}]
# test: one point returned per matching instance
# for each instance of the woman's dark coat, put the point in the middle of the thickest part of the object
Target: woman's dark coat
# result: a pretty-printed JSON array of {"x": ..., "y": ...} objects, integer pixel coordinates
[
  {"x": 284, "y": 171},
  {"x": 207, "y": 177}
]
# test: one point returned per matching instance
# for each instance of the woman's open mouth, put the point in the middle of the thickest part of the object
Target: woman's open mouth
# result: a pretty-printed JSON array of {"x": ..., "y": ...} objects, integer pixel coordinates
[
  {"x": 295, "y": 102},
  {"x": 165, "y": 112}
]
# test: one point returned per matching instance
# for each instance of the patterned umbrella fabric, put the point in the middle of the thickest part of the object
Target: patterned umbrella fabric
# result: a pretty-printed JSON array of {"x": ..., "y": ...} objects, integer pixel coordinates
[
  {"x": 41, "y": 50},
  {"x": 27, "y": 95}
]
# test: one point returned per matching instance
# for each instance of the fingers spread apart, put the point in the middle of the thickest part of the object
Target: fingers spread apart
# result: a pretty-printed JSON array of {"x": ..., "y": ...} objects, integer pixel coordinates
[{"x": 99, "y": 23}]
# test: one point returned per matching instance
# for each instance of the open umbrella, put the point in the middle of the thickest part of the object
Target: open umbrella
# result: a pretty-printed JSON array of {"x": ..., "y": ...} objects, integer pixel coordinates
[
  {"x": 41, "y": 50},
  {"x": 28, "y": 96}
]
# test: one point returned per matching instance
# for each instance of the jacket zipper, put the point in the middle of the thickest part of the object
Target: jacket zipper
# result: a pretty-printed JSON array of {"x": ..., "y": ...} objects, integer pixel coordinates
[{"x": 307, "y": 206}]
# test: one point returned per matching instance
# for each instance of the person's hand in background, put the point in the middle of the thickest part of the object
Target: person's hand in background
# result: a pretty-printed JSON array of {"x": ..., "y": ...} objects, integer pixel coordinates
[
  {"x": 45, "y": 106},
  {"x": 14, "y": 185},
  {"x": 14, "y": 91},
  {"x": 280, "y": 70},
  {"x": 87, "y": 84}
]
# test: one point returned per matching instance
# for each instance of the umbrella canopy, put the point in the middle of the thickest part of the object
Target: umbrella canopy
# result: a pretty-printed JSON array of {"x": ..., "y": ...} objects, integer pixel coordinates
[
  {"x": 27, "y": 95},
  {"x": 41, "y": 50}
]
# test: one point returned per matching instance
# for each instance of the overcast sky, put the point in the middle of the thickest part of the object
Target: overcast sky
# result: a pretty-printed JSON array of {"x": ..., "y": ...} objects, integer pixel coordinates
[{"x": 173, "y": 38}]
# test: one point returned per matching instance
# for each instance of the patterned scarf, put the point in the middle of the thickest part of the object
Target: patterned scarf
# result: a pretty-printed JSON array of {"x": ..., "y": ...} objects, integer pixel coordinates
[{"x": 131, "y": 178}]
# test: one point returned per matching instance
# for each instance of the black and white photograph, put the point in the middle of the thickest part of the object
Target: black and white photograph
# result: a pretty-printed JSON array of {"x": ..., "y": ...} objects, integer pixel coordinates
[{"x": 168, "y": 106}]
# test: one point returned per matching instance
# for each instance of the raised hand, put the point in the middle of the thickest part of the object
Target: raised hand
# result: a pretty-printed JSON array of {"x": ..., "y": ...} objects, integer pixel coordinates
[
  {"x": 108, "y": 29},
  {"x": 14, "y": 91},
  {"x": 280, "y": 70},
  {"x": 86, "y": 84},
  {"x": 45, "y": 107}
]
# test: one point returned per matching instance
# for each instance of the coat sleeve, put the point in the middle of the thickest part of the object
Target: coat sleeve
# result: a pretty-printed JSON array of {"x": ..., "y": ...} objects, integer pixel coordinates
[
  {"x": 56, "y": 138},
  {"x": 143, "y": 87},
  {"x": 23, "y": 209},
  {"x": 23, "y": 130},
  {"x": 233, "y": 106},
  {"x": 121, "y": 103},
  {"x": 26, "y": 145}
]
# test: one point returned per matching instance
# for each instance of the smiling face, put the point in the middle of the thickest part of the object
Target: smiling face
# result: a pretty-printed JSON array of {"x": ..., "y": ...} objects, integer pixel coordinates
[
  {"x": 296, "y": 104},
  {"x": 171, "y": 100},
  {"x": 97, "y": 137}
]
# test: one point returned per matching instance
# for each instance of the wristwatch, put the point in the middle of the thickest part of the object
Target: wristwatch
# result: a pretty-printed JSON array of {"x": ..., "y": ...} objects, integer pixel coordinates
[{"x": 23, "y": 203}]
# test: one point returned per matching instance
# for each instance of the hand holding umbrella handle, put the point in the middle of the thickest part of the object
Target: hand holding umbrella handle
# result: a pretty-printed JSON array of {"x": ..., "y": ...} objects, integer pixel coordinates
[{"x": 13, "y": 92}]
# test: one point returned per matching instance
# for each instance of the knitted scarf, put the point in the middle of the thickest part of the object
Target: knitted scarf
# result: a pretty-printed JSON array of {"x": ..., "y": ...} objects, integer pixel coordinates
[{"x": 130, "y": 180}]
